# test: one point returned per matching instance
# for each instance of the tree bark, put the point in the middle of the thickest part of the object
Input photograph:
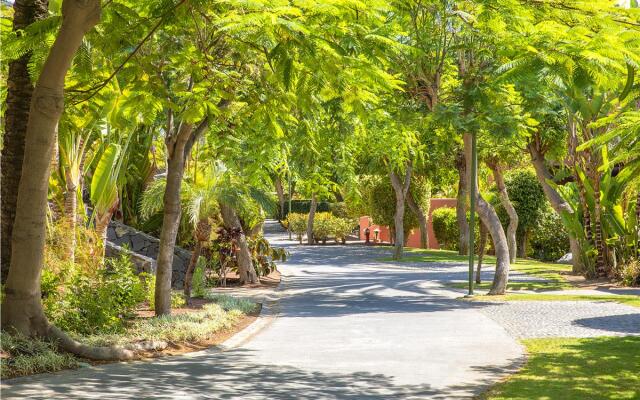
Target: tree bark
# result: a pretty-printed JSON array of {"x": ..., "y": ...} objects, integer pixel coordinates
[
  {"x": 461, "y": 206},
  {"x": 178, "y": 143},
  {"x": 522, "y": 247},
  {"x": 246, "y": 270},
  {"x": 19, "y": 90},
  {"x": 312, "y": 214},
  {"x": 188, "y": 276},
  {"x": 557, "y": 202},
  {"x": 70, "y": 209},
  {"x": 481, "y": 249},
  {"x": 280, "y": 192},
  {"x": 489, "y": 217},
  {"x": 422, "y": 219},
  {"x": 401, "y": 189},
  {"x": 508, "y": 206},
  {"x": 22, "y": 310}
]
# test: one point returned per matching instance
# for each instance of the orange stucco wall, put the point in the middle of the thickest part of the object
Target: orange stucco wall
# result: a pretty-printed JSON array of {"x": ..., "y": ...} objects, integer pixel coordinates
[{"x": 384, "y": 235}]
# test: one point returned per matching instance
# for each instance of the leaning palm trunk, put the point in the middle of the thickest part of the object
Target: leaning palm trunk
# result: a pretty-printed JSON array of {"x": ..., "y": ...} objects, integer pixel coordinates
[
  {"x": 246, "y": 271},
  {"x": 312, "y": 214},
  {"x": 22, "y": 310},
  {"x": 461, "y": 206},
  {"x": 401, "y": 189},
  {"x": 489, "y": 217},
  {"x": 508, "y": 206},
  {"x": 422, "y": 219}
]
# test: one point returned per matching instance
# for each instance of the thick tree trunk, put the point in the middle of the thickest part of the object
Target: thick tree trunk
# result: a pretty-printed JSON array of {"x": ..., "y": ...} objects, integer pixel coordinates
[
  {"x": 401, "y": 188},
  {"x": 246, "y": 271},
  {"x": 22, "y": 310},
  {"x": 19, "y": 90},
  {"x": 481, "y": 250},
  {"x": 461, "y": 205},
  {"x": 557, "y": 202},
  {"x": 312, "y": 214},
  {"x": 489, "y": 217},
  {"x": 280, "y": 192},
  {"x": 422, "y": 219},
  {"x": 508, "y": 206},
  {"x": 171, "y": 218}
]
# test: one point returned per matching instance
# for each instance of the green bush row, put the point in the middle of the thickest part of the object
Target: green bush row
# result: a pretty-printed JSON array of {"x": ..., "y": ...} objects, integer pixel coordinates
[{"x": 325, "y": 226}]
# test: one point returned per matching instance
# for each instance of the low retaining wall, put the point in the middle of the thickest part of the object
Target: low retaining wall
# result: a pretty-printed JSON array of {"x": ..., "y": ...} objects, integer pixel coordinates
[{"x": 125, "y": 238}]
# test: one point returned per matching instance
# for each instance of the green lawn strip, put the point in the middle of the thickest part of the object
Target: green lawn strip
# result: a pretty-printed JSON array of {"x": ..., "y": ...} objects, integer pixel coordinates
[
  {"x": 30, "y": 356},
  {"x": 623, "y": 299},
  {"x": 575, "y": 369},
  {"x": 551, "y": 272}
]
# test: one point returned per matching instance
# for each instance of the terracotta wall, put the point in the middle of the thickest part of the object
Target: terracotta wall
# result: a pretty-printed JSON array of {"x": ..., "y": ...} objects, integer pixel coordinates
[{"x": 414, "y": 237}]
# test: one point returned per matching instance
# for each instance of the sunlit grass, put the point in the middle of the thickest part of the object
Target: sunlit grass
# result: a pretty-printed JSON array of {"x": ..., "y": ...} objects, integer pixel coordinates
[
  {"x": 551, "y": 272},
  {"x": 26, "y": 356},
  {"x": 575, "y": 369}
]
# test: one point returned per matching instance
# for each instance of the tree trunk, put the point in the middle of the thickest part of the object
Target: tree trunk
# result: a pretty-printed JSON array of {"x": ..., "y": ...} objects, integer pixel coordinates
[
  {"x": 508, "y": 206},
  {"x": 489, "y": 217},
  {"x": 19, "y": 90},
  {"x": 461, "y": 206},
  {"x": 280, "y": 192},
  {"x": 422, "y": 219},
  {"x": 22, "y": 310},
  {"x": 312, "y": 214},
  {"x": 557, "y": 202},
  {"x": 481, "y": 249},
  {"x": 522, "y": 247},
  {"x": 70, "y": 210},
  {"x": 246, "y": 271},
  {"x": 188, "y": 276},
  {"x": 401, "y": 189},
  {"x": 171, "y": 217}
]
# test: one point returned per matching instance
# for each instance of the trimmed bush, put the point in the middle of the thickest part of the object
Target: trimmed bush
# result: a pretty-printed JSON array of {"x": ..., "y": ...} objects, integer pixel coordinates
[
  {"x": 549, "y": 239},
  {"x": 445, "y": 227},
  {"x": 322, "y": 226},
  {"x": 297, "y": 222}
]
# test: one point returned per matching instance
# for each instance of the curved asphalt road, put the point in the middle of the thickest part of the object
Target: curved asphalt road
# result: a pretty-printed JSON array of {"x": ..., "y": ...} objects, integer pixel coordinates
[{"x": 349, "y": 327}]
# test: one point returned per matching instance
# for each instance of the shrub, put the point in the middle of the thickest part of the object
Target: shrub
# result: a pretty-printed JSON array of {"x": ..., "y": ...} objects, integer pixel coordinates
[
  {"x": 322, "y": 226},
  {"x": 98, "y": 302},
  {"x": 445, "y": 227},
  {"x": 342, "y": 227},
  {"x": 629, "y": 272},
  {"x": 297, "y": 222},
  {"x": 549, "y": 239}
]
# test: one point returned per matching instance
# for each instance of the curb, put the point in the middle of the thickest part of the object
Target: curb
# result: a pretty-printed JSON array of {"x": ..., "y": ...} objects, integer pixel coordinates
[{"x": 268, "y": 314}]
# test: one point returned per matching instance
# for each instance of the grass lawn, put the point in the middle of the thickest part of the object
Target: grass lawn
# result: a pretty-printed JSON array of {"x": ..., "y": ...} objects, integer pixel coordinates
[
  {"x": 623, "y": 299},
  {"x": 575, "y": 369},
  {"x": 552, "y": 272}
]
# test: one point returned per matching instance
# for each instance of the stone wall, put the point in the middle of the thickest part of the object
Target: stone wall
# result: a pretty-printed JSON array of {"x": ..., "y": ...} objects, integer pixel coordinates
[{"x": 123, "y": 237}]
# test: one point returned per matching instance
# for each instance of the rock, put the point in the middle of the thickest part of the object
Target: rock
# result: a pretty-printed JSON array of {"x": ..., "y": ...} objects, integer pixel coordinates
[{"x": 566, "y": 259}]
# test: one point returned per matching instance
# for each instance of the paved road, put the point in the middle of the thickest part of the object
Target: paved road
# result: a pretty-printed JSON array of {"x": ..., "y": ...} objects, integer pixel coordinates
[{"x": 349, "y": 327}]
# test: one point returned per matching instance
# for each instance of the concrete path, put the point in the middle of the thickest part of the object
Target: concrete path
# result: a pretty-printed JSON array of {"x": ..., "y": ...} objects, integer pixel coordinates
[{"x": 349, "y": 327}]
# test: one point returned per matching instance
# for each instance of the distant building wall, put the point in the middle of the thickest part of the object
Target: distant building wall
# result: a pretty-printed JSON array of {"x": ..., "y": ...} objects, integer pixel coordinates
[{"x": 384, "y": 235}]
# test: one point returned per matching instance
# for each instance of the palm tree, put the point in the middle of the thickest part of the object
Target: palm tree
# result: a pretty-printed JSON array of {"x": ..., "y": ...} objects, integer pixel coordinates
[{"x": 215, "y": 192}]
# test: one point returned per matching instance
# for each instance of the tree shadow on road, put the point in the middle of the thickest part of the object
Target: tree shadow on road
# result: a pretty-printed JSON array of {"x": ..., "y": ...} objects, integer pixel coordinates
[{"x": 226, "y": 375}]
